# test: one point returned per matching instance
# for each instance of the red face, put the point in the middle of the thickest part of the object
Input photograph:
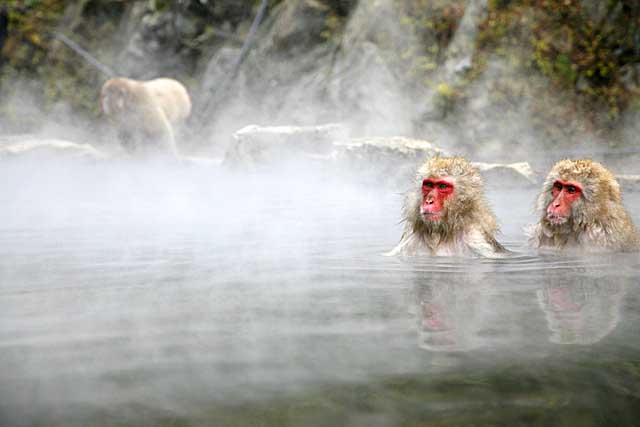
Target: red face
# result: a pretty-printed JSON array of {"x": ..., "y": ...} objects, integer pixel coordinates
[
  {"x": 564, "y": 194},
  {"x": 434, "y": 193}
]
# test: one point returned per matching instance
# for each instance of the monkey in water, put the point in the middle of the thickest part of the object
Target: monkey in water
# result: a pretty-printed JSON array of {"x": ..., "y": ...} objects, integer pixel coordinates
[
  {"x": 446, "y": 213},
  {"x": 581, "y": 209},
  {"x": 146, "y": 112}
]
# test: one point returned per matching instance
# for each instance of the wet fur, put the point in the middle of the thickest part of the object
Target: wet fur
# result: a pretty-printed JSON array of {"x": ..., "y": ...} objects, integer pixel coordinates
[
  {"x": 599, "y": 222},
  {"x": 467, "y": 225}
]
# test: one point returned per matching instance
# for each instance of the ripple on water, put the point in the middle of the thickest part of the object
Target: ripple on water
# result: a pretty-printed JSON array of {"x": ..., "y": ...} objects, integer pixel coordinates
[{"x": 201, "y": 296}]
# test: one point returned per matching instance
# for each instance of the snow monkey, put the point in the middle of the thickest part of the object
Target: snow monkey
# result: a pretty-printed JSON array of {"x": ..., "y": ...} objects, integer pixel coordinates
[
  {"x": 145, "y": 112},
  {"x": 580, "y": 207},
  {"x": 446, "y": 213}
]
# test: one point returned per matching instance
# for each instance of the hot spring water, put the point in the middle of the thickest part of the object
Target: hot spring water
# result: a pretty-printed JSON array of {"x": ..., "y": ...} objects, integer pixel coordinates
[{"x": 179, "y": 296}]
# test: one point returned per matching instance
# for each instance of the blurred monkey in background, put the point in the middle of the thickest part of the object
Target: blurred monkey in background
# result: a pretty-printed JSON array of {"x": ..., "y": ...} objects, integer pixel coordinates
[{"x": 146, "y": 112}]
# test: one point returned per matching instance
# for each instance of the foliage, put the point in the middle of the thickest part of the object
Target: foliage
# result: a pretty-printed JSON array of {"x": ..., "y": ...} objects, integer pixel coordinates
[
  {"x": 434, "y": 22},
  {"x": 583, "y": 52},
  {"x": 586, "y": 50}
]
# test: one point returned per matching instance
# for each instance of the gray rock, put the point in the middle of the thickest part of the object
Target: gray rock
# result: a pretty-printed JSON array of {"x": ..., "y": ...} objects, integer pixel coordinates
[
  {"x": 390, "y": 161},
  {"x": 385, "y": 160},
  {"x": 254, "y": 145},
  {"x": 14, "y": 148},
  {"x": 218, "y": 73},
  {"x": 508, "y": 174}
]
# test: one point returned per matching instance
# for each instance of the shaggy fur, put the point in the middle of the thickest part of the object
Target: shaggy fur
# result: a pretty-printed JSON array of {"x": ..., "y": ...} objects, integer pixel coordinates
[
  {"x": 467, "y": 225},
  {"x": 598, "y": 223},
  {"x": 145, "y": 112}
]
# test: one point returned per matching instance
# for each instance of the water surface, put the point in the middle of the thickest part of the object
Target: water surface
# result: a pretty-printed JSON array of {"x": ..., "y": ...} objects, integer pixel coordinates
[{"x": 178, "y": 296}]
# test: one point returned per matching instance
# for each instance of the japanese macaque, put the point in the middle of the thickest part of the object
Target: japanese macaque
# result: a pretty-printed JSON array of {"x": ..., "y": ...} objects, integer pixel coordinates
[
  {"x": 146, "y": 112},
  {"x": 446, "y": 214},
  {"x": 580, "y": 208}
]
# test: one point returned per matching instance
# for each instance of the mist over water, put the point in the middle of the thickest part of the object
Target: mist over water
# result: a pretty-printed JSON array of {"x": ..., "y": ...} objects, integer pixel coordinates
[
  {"x": 160, "y": 293},
  {"x": 157, "y": 292}
]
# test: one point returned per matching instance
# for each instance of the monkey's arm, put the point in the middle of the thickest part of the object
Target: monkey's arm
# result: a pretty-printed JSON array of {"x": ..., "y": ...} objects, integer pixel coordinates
[
  {"x": 409, "y": 245},
  {"x": 484, "y": 244},
  {"x": 400, "y": 247}
]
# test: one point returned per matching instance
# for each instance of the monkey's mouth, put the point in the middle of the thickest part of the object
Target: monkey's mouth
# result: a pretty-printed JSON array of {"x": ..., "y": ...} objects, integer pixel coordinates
[
  {"x": 556, "y": 219},
  {"x": 431, "y": 216}
]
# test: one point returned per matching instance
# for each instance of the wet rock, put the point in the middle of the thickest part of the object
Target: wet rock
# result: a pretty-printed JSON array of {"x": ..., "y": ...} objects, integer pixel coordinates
[
  {"x": 16, "y": 147},
  {"x": 255, "y": 145},
  {"x": 386, "y": 160},
  {"x": 509, "y": 174}
]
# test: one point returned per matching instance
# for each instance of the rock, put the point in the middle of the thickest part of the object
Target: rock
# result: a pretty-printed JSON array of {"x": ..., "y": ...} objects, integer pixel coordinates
[
  {"x": 364, "y": 88},
  {"x": 218, "y": 74},
  {"x": 298, "y": 26},
  {"x": 15, "y": 147},
  {"x": 508, "y": 174},
  {"x": 629, "y": 182},
  {"x": 390, "y": 161},
  {"x": 386, "y": 160},
  {"x": 394, "y": 146},
  {"x": 254, "y": 145}
]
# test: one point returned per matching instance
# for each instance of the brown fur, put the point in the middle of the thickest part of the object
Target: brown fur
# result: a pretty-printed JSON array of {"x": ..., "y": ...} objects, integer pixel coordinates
[
  {"x": 467, "y": 225},
  {"x": 599, "y": 222},
  {"x": 146, "y": 112}
]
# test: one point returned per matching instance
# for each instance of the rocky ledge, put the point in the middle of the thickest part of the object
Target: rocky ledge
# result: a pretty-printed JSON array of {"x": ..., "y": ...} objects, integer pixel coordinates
[
  {"x": 14, "y": 147},
  {"x": 386, "y": 160}
]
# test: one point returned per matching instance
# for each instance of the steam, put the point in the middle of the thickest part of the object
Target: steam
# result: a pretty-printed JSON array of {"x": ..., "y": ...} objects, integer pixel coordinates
[{"x": 170, "y": 285}]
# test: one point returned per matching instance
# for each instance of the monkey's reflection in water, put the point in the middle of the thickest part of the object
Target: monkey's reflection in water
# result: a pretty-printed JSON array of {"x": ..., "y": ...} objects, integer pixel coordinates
[
  {"x": 451, "y": 309},
  {"x": 581, "y": 306}
]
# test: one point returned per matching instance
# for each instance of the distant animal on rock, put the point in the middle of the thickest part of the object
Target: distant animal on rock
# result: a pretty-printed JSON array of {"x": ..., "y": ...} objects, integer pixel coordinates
[
  {"x": 446, "y": 213},
  {"x": 146, "y": 113},
  {"x": 580, "y": 208}
]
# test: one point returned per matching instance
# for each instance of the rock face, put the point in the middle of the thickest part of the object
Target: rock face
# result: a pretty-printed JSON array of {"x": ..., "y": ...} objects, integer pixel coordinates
[
  {"x": 29, "y": 147},
  {"x": 388, "y": 161},
  {"x": 385, "y": 160},
  {"x": 255, "y": 146},
  {"x": 509, "y": 174}
]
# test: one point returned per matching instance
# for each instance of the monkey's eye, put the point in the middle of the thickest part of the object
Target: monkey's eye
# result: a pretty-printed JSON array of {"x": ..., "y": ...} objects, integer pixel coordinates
[
  {"x": 571, "y": 189},
  {"x": 557, "y": 186},
  {"x": 428, "y": 184},
  {"x": 443, "y": 186}
]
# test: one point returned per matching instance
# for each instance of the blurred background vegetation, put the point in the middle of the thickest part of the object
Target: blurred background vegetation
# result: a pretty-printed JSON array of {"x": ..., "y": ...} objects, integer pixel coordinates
[{"x": 575, "y": 64}]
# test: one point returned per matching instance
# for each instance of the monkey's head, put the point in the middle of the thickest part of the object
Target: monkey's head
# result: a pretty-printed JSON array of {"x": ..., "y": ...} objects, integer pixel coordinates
[
  {"x": 116, "y": 96},
  {"x": 577, "y": 193},
  {"x": 450, "y": 190}
]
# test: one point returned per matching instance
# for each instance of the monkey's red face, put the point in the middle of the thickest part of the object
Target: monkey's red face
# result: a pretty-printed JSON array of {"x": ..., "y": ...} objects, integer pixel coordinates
[
  {"x": 434, "y": 194},
  {"x": 564, "y": 193}
]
